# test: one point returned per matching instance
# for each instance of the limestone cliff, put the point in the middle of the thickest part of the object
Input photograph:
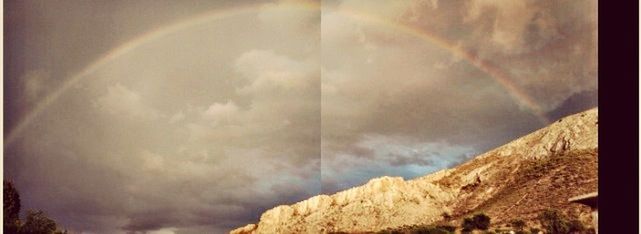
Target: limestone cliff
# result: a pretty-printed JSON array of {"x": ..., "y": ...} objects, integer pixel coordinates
[{"x": 540, "y": 170}]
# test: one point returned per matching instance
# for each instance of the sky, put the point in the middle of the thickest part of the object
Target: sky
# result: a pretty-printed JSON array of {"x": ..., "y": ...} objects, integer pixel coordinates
[{"x": 197, "y": 116}]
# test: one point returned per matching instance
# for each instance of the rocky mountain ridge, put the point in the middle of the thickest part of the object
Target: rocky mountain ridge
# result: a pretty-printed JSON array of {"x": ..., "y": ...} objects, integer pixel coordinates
[{"x": 517, "y": 180}]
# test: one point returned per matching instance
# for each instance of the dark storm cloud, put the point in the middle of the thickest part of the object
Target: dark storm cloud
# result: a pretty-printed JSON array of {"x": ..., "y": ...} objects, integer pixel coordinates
[
  {"x": 574, "y": 104},
  {"x": 425, "y": 93}
]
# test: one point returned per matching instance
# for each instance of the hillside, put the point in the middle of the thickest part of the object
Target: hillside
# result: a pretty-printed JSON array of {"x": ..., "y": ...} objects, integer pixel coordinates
[{"x": 517, "y": 180}]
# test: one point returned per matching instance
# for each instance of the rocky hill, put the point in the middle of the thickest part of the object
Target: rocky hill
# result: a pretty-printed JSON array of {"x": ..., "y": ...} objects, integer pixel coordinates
[{"x": 517, "y": 180}]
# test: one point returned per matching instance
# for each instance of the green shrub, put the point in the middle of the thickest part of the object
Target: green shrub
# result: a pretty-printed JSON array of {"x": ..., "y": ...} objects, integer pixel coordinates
[
  {"x": 468, "y": 224},
  {"x": 517, "y": 224},
  {"x": 553, "y": 221},
  {"x": 390, "y": 232},
  {"x": 448, "y": 228},
  {"x": 476, "y": 222},
  {"x": 576, "y": 226},
  {"x": 481, "y": 221},
  {"x": 429, "y": 230}
]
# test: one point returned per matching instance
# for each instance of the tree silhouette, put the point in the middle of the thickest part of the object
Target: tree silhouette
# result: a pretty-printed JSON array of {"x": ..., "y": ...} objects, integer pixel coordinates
[
  {"x": 11, "y": 208},
  {"x": 36, "y": 222}
]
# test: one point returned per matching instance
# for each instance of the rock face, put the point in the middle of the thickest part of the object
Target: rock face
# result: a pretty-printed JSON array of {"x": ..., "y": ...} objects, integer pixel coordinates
[{"x": 518, "y": 180}]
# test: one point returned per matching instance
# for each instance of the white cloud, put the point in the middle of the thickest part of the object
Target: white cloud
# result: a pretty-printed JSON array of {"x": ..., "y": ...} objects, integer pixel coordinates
[
  {"x": 389, "y": 10},
  {"x": 287, "y": 14},
  {"x": 179, "y": 116},
  {"x": 512, "y": 22},
  {"x": 123, "y": 102},
  {"x": 164, "y": 231},
  {"x": 221, "y": 112},
  {"x": 152, "y": 161},
  {"x": 267, "y": 71},
  {"x": 434, "y": 4}
]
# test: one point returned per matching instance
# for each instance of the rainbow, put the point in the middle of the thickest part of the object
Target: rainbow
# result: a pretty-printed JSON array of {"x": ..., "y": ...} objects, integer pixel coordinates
[
  {"x": 135, "y": 43},
  {"x": 494, "y": 72}
]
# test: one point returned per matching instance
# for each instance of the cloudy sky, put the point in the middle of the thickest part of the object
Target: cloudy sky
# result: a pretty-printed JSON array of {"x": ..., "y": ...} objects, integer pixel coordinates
[{"x": 196, "y": 116}]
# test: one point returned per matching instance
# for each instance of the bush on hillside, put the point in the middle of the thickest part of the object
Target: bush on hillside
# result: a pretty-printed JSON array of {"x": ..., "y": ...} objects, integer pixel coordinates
[
  {"x": 429, "y": 230},
  {"x": 481, "y": 221},
  {"x": 468, "y": 225},
  {"x": 517, "y": 224},
  {"x": 576, "y": 226},
  {"x": 476, "y": 222},
  {"x": 448, "y": 228},
  {"x": 553, "y": 221}
]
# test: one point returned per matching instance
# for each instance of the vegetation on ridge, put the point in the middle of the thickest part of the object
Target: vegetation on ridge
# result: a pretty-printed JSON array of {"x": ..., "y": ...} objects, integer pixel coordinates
[
  {"x": 35, "y": 222},
  {"x": 551, "y": 220}
]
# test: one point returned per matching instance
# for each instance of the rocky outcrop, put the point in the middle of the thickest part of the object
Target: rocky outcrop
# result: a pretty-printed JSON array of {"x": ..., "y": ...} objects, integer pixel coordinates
[
  {"x": 517, "y": 180},
  {"x": 249, "y": 228}
]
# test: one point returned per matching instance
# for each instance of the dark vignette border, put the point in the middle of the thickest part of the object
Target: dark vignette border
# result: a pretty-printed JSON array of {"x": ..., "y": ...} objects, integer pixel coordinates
[{"x": 618, "y": 116}]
